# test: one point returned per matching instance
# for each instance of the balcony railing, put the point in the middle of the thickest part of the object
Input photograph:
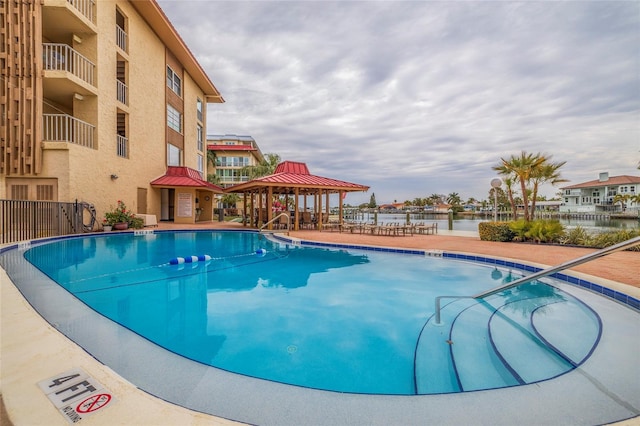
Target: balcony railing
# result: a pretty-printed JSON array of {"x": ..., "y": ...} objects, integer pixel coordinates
[
  {"x": 61, "y": 57},
  {"x": 121, "y": 38},
  {"x": 122, "y": 146},
  {"x": 85, "y": 7},
  {"x": 123, "y": 92},
  {"x": 66, "y": 128}
]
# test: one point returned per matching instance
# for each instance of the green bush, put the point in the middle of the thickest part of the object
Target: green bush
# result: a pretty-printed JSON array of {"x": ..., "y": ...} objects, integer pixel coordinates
[
  {"x": 545, "y": 231},
  {"x": 495, "y": 231},
  {"x": 552, "y": 231},
  {"x": 520, "y": 228},
  {"x": 607, "y": 239},
  {"x": 577, "y": 236}
]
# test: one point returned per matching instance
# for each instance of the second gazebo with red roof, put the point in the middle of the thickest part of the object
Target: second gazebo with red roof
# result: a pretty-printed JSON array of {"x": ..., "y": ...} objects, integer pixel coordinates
[{"x": 292, "y": 179}]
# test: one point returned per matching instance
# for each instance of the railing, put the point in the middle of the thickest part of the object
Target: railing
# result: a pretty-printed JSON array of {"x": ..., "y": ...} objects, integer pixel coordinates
[
  {"x": 25, "y": 220},
  {"x": 66, "y": 128},
  {"x": 62, "y": 57},
  {"x": 552, "y": 270},
  {"x": 122, "y": 146},
  {"x": 123, "y": 92},
  {"x": 85, "y": 7},
  {"x": 121, "y": 38},
  {"x": 275, "y": 218}
]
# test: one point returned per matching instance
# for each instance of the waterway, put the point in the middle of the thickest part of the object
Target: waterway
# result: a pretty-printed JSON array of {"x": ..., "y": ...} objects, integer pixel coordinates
[{"x": 470, "y": 223}]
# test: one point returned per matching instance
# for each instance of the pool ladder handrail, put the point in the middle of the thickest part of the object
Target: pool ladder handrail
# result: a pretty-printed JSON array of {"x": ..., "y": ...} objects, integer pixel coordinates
[
  {"x": 551, "y": 270},
  {"x": 274, "y": 219}
]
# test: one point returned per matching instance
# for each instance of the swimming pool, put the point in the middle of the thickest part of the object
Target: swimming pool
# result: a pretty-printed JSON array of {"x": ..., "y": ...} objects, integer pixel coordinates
[{"x": 214, "y": 286}]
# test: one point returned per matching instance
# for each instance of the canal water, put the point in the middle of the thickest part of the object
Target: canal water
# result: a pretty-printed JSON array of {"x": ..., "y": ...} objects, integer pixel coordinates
[{"x": 469, "y": 223}]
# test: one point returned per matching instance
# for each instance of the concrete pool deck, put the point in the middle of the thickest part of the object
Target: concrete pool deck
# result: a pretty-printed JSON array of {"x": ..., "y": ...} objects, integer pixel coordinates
[{"x": 33, "y": 350}]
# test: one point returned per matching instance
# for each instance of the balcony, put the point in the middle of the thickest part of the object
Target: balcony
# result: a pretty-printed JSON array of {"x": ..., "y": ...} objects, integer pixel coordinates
[
  {"x": 66, "y": 128},
  {"x": 123, "y": 93},
  {"x": 66, "y": 72},
  {"x": 122, "y": 146},
  {"x": 64, "y": 17},
  {"x": 121, "y": 38}
]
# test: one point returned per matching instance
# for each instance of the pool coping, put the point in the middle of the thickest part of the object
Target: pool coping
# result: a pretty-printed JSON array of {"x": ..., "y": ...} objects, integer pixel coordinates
[{"x": 135, "y": 406}]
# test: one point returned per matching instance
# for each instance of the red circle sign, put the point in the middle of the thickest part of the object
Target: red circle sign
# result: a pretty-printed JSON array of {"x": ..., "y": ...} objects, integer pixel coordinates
[{"x": 93, "y": 403}]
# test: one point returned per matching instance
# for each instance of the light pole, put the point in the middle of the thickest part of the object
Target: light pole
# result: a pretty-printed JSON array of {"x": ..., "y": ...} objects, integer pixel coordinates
[{"x": 495, "y": 184}]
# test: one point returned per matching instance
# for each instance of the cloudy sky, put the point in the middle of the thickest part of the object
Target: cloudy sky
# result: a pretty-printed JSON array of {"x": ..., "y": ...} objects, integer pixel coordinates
[{"x": 414, "y": 98}]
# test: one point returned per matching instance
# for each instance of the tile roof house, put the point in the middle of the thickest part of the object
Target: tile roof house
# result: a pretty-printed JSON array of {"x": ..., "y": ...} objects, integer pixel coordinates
[{"x": 597, "y": 196}]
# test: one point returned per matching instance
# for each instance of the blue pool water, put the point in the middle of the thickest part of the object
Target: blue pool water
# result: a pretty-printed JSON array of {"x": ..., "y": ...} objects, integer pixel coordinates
[{"x": 340, "y": 320}]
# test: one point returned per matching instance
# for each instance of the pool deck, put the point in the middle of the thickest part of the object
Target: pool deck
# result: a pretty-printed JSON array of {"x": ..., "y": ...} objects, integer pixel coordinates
[{"x": 33, "y": 350}]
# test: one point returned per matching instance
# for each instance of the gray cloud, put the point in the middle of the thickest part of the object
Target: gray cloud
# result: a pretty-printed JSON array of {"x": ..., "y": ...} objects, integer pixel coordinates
[{"x": 414, "y": 98}]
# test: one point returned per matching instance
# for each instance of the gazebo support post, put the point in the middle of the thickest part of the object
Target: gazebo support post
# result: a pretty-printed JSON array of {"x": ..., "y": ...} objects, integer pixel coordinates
[
  {"x": 269, "y": 206},
  {"x": 244, "y": 208},
  {"x": 296, "y": 224},
  {"x": 319, "y": 214},
  {"x": 340, "y": 197}
]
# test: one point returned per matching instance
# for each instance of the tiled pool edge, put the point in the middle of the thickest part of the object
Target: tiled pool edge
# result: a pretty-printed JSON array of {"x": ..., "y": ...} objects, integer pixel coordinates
[{"x": 607, "y": 292}]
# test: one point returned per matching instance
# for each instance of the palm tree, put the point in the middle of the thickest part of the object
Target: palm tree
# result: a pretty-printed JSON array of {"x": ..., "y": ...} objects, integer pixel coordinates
[
  {"x": 454, "y": 199},
  {"x": 547, "y": 172},
  {"x": 508, "y": 183},
  {"x": 435, "y": 198},
  {"x": 265, "y": 168},
  {"x": 522, "y": 168},
  {"x": 622, "y": 199}
]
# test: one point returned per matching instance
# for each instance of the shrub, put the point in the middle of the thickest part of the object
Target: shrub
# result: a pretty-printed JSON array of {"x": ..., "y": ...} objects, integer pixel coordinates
[
  {"x": 577, "y": 236},
  {"x": 607, "y": 239},
  {"x": 545, "y": 231},
  {"x": 495, "y": 231},
  {"x": 520, "y": 228}
]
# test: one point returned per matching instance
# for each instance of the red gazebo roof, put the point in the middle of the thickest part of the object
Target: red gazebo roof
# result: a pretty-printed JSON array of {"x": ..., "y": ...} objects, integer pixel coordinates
[
  {"x": 290, "y": 174},
  {"x": 184, "y": 177}
]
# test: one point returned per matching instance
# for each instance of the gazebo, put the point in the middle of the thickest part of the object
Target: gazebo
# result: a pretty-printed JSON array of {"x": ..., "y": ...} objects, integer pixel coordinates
[{"x": 292, "y": 179}]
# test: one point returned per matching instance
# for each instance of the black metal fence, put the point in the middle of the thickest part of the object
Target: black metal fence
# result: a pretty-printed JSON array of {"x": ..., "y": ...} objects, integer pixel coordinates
[{"x": 25, "y": 220}]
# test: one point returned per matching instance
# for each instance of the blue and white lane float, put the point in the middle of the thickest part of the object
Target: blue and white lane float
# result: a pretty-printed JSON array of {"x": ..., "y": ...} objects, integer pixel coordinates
[
  {"x": 205, "y": 258},
  {"x": 190, "y": 259}
]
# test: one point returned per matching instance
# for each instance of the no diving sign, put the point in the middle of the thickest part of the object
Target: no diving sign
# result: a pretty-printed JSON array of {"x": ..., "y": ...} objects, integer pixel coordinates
[{"x": 75, "y": 394}]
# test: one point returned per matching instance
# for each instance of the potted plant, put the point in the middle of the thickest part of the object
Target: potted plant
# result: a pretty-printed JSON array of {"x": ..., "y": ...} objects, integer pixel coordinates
[
  {"x": 120, "y": 218},
  {"x": 106, "y": 226}
]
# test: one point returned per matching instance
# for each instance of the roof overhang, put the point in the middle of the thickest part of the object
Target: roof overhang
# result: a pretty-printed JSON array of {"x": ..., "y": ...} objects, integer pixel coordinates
[
  {"x": 184, "y": 177},
  {"x": 151, "y": 12}
]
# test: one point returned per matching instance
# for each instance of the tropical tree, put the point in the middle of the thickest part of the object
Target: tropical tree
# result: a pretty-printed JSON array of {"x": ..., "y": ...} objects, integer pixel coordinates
[
  {"x": 547, "y": 172},
  {"x": 622, "y": 199},
  {"x": 230, "y": 200},
  {"x": 265, "y": 168},
  {"x": 435, "y": 199},
  {"x": 454, "y": 199},
  {"x": 523, "y": 169},
  {"x": 508, "y": 183},
  {"x": 211, "y": 162}
]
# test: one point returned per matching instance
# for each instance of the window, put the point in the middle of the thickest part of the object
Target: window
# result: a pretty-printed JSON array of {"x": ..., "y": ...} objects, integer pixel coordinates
[
  {"x": 173, "y": 81},
  {"x": 199, "y": 109},
  {"x": 201, "y": 164},
  {"x": 174, "y": 155},
  {"x": 174, "y": 119},
  {"x": 199, "y": 136}
]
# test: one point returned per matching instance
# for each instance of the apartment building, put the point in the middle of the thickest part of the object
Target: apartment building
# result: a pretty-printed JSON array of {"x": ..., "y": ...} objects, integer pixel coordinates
[
  {"x": 232, "y": 154},
  {"x": 598, "y": 195},
  {"x": 103, "y": 101}
]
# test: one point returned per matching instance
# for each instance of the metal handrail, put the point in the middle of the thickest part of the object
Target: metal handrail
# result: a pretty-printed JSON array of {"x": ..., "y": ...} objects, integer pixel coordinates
[
  {"x": 277, "y": 217},
  {"x": 578, "y": 261}
]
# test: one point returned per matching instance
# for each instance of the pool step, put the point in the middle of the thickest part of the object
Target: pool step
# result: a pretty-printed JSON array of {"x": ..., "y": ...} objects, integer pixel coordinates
[{"x": 485, "y": 344}]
